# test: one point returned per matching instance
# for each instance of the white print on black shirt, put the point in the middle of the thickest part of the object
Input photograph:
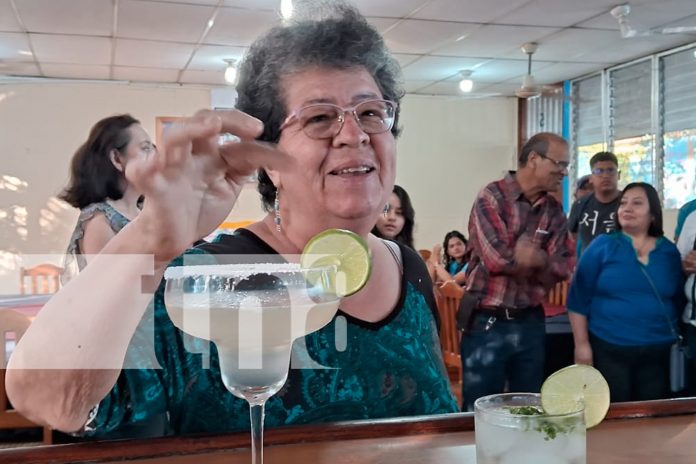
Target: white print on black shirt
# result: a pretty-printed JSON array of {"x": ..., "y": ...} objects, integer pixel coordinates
[{"x": 589, "y": 219}]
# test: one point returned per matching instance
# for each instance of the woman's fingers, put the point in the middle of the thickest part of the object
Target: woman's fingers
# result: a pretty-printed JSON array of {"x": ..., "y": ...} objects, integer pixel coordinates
[
  {"x": 179, "y": 138},
  {"x": 199, "y": 134},
  {"x": 244, "y": 158},
  {"x": 240, "y": 124}
]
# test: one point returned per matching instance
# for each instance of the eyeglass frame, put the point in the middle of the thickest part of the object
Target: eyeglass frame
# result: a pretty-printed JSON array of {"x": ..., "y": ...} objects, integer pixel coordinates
[
  {"x": 605, "y": 171},
  {"x": 342, "y": 117},
  {"x": 563, "y": 165}
]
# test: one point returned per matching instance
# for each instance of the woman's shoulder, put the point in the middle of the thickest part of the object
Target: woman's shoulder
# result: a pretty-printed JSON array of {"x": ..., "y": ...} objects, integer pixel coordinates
[
  {"x": 667, "y": 247},
  {"x": 115, "y": 219},
  {"x": 604, "y": 242}
]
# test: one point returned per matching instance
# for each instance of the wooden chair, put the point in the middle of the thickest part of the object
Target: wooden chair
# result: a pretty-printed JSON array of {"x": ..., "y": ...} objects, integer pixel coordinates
[
  {"x": 45, "y": 278},
  {"x": 425, "y": 254},
  {"x": 556, "y": 299},
  {"x": 12, "y": 321},
  {"x": 448, "y": 298}
]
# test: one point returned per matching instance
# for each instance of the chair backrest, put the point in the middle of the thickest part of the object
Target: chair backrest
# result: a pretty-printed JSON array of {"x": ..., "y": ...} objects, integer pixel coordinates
[
  {"x": 450, "y": 294},
  {"x": 425, "y": 254},
  {"x": 17, "y": 323},
  {"x": 558, "y": 294},
  {"x": 10, "y": 321},
  {"x": 45, "y": 278}
]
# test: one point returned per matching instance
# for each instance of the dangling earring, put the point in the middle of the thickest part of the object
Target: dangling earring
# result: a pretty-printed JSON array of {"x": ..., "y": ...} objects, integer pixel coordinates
[
  {"x": 276, "y": 208},
  {"x": 385, "y": 211}
]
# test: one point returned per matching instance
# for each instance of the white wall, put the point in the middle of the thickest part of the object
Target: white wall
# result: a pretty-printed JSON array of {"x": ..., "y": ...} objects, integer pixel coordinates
[{"x": 449, "y": 149}]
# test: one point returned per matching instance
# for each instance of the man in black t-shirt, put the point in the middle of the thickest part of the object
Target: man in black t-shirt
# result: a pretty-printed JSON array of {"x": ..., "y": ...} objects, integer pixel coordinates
[{"x": 595, "y": 214}]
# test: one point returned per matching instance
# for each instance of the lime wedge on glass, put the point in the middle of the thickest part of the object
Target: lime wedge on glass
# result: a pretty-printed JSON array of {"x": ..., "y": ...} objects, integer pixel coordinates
[
  {"x": 564, "y": 389},
  {"x": 345, "y": 250}
]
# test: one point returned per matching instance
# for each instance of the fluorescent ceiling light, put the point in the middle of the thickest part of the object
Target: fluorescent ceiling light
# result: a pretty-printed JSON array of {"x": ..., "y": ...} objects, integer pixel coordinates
[{"x": 231, "y": 71}]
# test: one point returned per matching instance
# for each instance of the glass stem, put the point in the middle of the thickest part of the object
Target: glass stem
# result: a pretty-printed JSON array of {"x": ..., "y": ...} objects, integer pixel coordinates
[{"x": 256, "y": 412}]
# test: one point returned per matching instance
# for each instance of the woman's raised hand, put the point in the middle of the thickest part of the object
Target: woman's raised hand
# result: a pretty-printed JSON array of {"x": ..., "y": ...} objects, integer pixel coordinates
[
  {"x": 436, "y": 254},
  {"x": 192, "y": 182}
]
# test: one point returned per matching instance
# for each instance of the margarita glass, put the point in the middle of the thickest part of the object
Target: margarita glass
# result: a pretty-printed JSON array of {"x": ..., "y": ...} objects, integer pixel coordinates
[
  {"x": 512, "y": 428},
  {"x": 253, "y": 313}
]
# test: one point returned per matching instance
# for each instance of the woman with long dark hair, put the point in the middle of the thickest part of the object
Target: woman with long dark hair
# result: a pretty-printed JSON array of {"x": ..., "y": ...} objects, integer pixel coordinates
[
  {"x": 448, "y": 261},
  {"x": 398, "y": 219}
]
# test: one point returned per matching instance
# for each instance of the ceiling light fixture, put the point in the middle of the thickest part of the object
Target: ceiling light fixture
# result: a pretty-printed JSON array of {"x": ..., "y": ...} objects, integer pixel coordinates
[
  {"x": 286, "y": 9},
  {"x": 466, "y": 85},
  {"x": 231, "y": 71}
]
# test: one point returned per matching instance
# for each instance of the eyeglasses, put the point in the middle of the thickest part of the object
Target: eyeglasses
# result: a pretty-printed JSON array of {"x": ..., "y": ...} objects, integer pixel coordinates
[
  {"x": 325, "y": 121},
  {"x": 562, "y": 165},
  {"x": 603, "y": 171}
]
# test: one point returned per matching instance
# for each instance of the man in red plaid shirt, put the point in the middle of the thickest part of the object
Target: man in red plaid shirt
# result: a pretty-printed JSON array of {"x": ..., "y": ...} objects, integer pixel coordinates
[{"x": 520, "y": 247}]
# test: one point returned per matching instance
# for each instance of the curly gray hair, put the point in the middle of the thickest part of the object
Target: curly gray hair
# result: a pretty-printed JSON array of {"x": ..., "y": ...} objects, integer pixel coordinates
[{"x": 336, "y": 36}]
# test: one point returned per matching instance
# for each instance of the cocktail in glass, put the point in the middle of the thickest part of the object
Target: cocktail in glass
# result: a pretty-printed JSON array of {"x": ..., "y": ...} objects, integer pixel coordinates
[
  {"x": 512, "y": 428},
  {"x": 253, "y": 313}
]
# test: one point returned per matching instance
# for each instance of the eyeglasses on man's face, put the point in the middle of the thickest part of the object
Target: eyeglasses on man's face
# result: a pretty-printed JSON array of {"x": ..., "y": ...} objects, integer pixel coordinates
[
  {"x": 561, "y": 165},
  {"x": 325, "y": 121},
  {"x": 604, "y": 171}
]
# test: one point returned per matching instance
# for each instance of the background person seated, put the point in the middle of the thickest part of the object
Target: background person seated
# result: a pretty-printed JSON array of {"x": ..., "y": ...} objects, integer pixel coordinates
[{"x": 452, "y": 264}]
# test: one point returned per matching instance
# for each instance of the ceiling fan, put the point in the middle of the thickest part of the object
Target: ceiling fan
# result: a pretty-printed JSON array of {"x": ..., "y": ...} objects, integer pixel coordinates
[
  {"x": 622, "y": 12},
  {"x": 529, "y": 88}
]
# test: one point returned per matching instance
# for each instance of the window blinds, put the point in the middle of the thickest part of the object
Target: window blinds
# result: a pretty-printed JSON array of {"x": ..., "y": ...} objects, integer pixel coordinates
[
  {"x": 630, "y": 100},
  {"x": 587, "y": 111},
  {"x": 678, "y": 90}
]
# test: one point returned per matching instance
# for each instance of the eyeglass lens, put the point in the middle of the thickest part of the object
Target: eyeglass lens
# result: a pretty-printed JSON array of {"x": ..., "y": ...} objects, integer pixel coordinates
[
  {"x": 602, "y": 171},
  {"x": 324, "y": 121}
]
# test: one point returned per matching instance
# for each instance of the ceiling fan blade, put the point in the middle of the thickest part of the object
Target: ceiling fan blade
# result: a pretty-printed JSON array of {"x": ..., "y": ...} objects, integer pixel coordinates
[{"x": 678, "y": 30}]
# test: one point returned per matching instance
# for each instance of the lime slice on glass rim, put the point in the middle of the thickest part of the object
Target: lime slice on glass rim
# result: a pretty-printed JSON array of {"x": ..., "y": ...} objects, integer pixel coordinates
[
  {"x": 345, "y": 250},
  {"x": 579, "y": 383}
]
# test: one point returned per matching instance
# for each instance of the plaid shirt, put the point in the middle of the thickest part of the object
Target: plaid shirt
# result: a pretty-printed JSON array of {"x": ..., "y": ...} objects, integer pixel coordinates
[{"x": 501, "y": 216}]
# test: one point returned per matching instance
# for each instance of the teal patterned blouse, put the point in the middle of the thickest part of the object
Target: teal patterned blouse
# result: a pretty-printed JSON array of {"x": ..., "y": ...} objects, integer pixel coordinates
[{"x": 386, "y": 369}]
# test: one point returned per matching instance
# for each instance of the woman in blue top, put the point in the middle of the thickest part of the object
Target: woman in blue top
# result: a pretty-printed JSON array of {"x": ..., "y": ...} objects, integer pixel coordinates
[
  {"x": 452, "y": 264},
  {"x": 620, "y": 324},
  {"x": 322, "y": 95}
]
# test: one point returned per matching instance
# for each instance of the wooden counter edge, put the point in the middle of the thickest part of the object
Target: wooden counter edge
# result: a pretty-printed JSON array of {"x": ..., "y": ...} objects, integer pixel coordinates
[{"x": 125, "y": 450}]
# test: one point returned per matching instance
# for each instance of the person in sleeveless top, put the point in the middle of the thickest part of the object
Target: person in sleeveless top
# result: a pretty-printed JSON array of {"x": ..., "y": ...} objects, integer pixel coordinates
[
  {"x": 99, "y": 188},
  {"x": 317, "y": 112}
]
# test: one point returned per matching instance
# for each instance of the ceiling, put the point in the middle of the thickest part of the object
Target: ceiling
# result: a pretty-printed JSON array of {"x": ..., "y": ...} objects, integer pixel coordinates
[{"x": 168, "y": 41}]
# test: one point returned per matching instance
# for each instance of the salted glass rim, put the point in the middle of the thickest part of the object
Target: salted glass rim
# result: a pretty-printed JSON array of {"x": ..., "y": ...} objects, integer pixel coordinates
[
  {"x": 241, "y": 270},
  {"x": 498, "y": 413}
]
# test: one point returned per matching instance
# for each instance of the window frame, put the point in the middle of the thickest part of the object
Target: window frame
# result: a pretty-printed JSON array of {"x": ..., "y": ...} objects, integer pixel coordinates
[{"x": 656, "y": 112}]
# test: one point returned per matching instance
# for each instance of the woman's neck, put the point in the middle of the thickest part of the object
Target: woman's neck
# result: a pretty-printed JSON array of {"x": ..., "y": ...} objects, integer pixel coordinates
[
  {"x": 291, "y": 238},
  {"x": 643, "y": 244},
  {"x": 127, "y": 205},
  {"x": 637, "y": 236}
]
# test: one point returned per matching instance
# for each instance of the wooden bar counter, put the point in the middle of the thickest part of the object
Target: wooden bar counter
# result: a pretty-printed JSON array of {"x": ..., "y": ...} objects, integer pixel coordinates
[{"x": 645, "y": 432}]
